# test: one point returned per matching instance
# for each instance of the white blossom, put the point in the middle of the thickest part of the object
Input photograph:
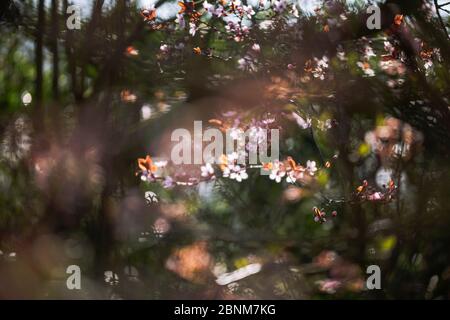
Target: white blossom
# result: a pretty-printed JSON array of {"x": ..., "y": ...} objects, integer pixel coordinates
[
  {"x": 207, "y": 170},
  {"x": 311, "y": 167}
]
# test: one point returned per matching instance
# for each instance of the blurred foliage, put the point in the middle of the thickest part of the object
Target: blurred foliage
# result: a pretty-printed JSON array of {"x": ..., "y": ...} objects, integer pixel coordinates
[{"x": 70, "y": 194}]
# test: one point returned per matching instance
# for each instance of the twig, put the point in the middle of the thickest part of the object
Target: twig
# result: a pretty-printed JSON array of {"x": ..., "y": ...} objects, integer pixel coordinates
[{"x": 438, "y": 7}]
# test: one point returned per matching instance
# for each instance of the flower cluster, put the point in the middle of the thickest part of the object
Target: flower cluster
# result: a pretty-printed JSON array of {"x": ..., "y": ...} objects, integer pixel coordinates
[
  {"x": 257, "y": 128},
  {"x": 291, "y": 170},
  {"x": 365, "y": 192},
  {"x": 317, "y": 67},
  {"x": 243, "y": 22},
  {"x": 320, "y": 215},
  {"x": 148, "y": 168},
  {"x": 230, "y": 168}
]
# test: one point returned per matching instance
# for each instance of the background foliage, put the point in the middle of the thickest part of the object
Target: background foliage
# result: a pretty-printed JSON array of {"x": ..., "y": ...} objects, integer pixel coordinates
[{"x": 110, "y": 93}]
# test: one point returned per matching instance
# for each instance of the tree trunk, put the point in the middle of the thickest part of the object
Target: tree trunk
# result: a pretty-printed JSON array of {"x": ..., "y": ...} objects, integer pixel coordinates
[
  {"x": 55, "y": 34},
  {"x": 38, "y": 95}
]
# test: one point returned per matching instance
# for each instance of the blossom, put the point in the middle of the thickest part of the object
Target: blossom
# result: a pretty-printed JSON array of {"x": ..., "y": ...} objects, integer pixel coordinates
[
  {"x": 181, "y": 21},
  {"x": 208, "y": 7},
  {"x": 368, "y": 52},
  {"x": 242, "y": 63},
  {"x": 238, "y": 174},
  {"x": 149, "y": 14},
  {"x": 131, "y": 51},
  {"x": 232, "y": 171},
  {"x": 219, "y": 11},
  {"x": 146, "y": 112},
  {"x": 389, "y": 47},
  {"x": 146, "y": 165},
  {"x": 320, "y": 69},
  {"x": 191, "y": 262},
  {"x": 127, "y": 96},
  {"x": 207, "y": 170},
  {"x": 257, "y": 136},
  {"x": 226, "y": 171},
  {"x": 367, "y": 192},
  {"x": 197, "y": 50},
  {"x": 291, "y": 177},
  {"x": 376, "y": 196},
  {"x": 277, "y": 172},
  {"x": 164, "y": 48},
  {"x": 235, "y": 3},
  {"x": 329, "y": 286},
  {"x": 392, "y": 67},
  {"x": 256, "y": 47},
  {"x": 428, "y": 64},
  {"x": 319, "y": 215},
  {"x": 280, "y": 5},
  {"x": 323, "y": 63},
  {"x": 238, "y": 31},
  {"x": 365, "y": 66},
  {"x": 311, "y": 167},
  {"x": 192, "y": 28},
  {"x": 294, "y": 11},
  {"x": 398, "y": 19},
  {"x": 248, "y": 10},
  {"x": 231, "y": 26},
  {"x": 341, "y": 55}
]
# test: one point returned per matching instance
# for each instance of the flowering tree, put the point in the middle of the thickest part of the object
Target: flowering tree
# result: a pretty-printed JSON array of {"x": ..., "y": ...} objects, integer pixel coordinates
[{"x": 362, "y": 177}]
